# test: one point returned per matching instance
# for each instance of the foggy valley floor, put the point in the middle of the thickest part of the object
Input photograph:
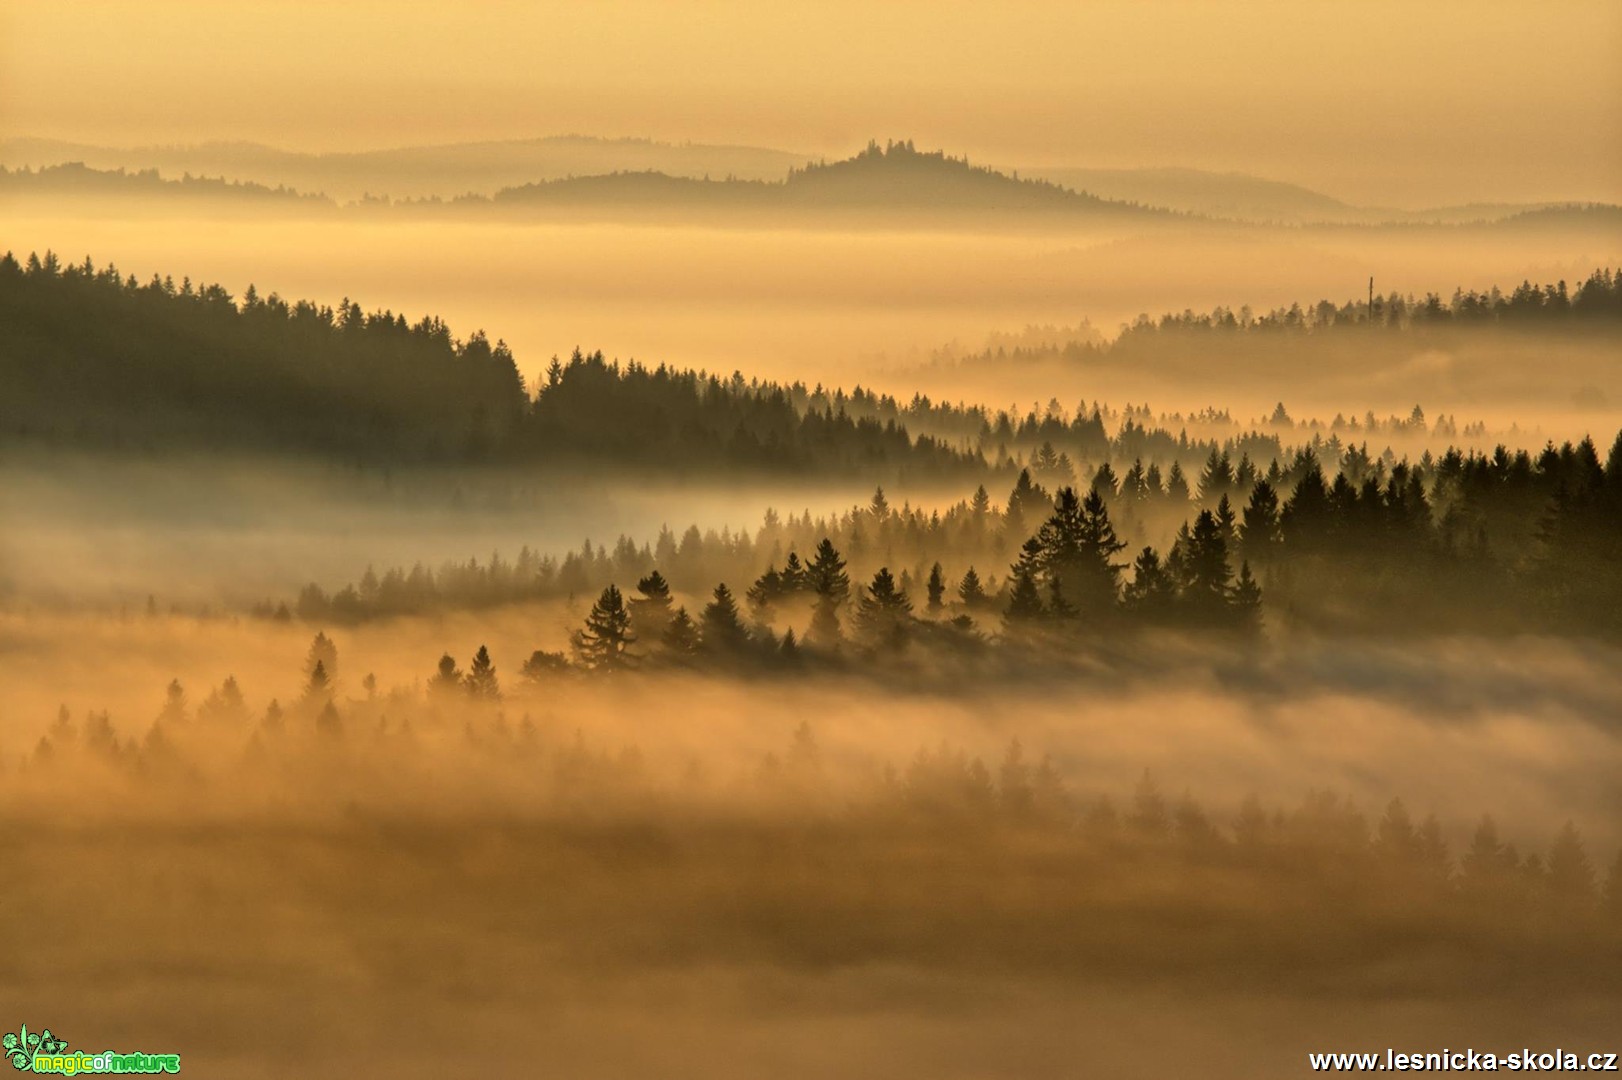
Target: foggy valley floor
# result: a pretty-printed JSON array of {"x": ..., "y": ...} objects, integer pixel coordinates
[{"x": 699, "y": 876}]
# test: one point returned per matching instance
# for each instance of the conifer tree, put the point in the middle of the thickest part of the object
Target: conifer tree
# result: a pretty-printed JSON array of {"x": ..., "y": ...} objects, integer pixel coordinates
[
  {"x": 1304, "y": 519},
  {"x": 1208, "y": 576},
  {"x": 794, "y": 576},
  {"x": 980, "y": 504},
  {"x": 604, "y": 643},
  {"x": 174, "y": 704},
  {"x": 318, "y": 687},
  {"x": 935, "y": 587},
  {"x": 1217, "y": 479},
  {"x": 1571, "y": 878},
  {"x": 1105, "y": 485},
  {"x": 970, "y": 590},
  {"x": 447, "y": 677},
  {"x": 1226, "y": 522},
  {"x": 721, "y": 629},
  {"x": 761, "y": 595},
  {"x": 880, "y": 506},
  {"x": 1259, "y": 533},
  {"x": 831, "y": 586},
  {"x": 1177, "y": 485},
  {"x": 681, "y": 636},
  {"x": 1024, "y": 601},
  {"x": 481, "y": 677},
  {"x": 884, "y": 612},
  {"x": 324, "y": 652},
  {"x": 1247, "y": 597},
  {"x": 328, "y": 723},
  {"x": 1151, "y": 591},
  {"x": 650, "y": 612}
]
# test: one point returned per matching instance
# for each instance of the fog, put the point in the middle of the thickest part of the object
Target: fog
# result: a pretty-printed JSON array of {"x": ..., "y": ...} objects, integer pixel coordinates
[
  {"x": 1121, "y": 576},
  {"x": 560, "y": 876},
  {"x": 870, "y": 306}
]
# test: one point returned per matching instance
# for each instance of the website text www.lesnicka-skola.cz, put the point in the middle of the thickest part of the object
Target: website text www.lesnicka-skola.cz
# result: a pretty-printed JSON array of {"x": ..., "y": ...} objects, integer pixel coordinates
[{"x": 1526, "y": 1060}]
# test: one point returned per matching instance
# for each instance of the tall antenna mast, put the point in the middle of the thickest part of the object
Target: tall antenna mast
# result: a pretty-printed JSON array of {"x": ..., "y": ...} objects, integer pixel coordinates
[{"x": 1371, "y": 300}]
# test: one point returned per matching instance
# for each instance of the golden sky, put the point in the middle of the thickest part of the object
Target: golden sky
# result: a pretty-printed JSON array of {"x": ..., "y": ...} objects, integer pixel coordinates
[{"x": 1375, "y": 101}]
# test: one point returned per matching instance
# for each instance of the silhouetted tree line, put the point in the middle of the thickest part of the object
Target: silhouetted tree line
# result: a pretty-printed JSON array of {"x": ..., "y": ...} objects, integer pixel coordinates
[
  {"x": 597, "y": 411},
  {"x": 76, "y": 178},
  {"x": 1348, "y": 883},
  {"x": 1462, "y": 542},
  {"x": 1594, "y": 300},
  {"x": 92, "y": 358},
  {"x": 89, "y": 357}
]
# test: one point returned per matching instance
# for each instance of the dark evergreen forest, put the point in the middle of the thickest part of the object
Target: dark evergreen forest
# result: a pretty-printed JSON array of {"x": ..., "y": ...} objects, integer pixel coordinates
[
  {"x": 1464, "y": 543},
  {"x": 93, "y": 359},
  {"x": 90, "y": 359}
]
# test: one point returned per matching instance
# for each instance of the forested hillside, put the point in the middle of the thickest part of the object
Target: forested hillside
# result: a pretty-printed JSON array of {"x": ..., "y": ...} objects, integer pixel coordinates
[
  {"x": 895, "y": 177},
  {"x": 92, "y": 359}
]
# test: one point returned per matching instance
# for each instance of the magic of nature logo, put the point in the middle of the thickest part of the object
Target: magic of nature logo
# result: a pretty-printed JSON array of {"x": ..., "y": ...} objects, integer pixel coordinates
[{"x": 43, "y": 1052}]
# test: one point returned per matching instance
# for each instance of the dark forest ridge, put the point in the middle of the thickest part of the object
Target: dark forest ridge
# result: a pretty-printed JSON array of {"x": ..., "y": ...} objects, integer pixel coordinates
[{"x": 89, "y": 357}]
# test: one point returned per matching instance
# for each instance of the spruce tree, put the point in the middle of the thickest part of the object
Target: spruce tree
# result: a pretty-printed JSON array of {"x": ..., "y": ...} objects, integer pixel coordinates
[
  {"x": 324, "y": 652},
  {"x": 794, "y": 576},
  {"x": 1024, "y": 600},
  {"x": 1151, "y": 591},
  {"x": 681, "y": 636},
  {"x": 1259, "y": 533},
  {"x": 318, "y": 687},
  {"x": 1247, "y": 598},
  {"x": 935, "y": 587},
  {"x": 880, "y": 506},
  {"x": 762, "y": 595},
  {"x": 1177, "y": 485},
  {"x": 884, "y": 612},
  {"x": 970, "y": 590},
  {"x": 1207, "y": 576},
  {"x": 721, "y": 629},
  {"x": 604, "y": 643},
  {"x": 650, "y": 612},
  {"x": 831, "y": 586},
  {"x": 481, "y": 677}
]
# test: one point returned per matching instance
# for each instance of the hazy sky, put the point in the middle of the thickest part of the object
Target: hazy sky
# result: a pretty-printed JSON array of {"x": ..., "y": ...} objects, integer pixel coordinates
[{"x": 1370, "y": 100}]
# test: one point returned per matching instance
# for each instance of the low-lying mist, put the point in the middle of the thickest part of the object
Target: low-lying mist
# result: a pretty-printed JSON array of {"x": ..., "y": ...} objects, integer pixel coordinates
[
  {"x": 225, "y": 532},
  {"x": 842, "y": 305},
  {"x": 1524, "y": 728},
  {"x": 702, "y": 875}
]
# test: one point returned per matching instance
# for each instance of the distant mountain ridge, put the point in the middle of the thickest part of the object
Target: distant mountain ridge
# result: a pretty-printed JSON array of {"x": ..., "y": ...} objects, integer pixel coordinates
[
  {"x": 895, "y": 178},
  {"x": 75, "y": 177},
  {"x": 1242, "y": 197},
  {"x": 417, "y": 171},
  {"x": 575, "y": 173}
]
